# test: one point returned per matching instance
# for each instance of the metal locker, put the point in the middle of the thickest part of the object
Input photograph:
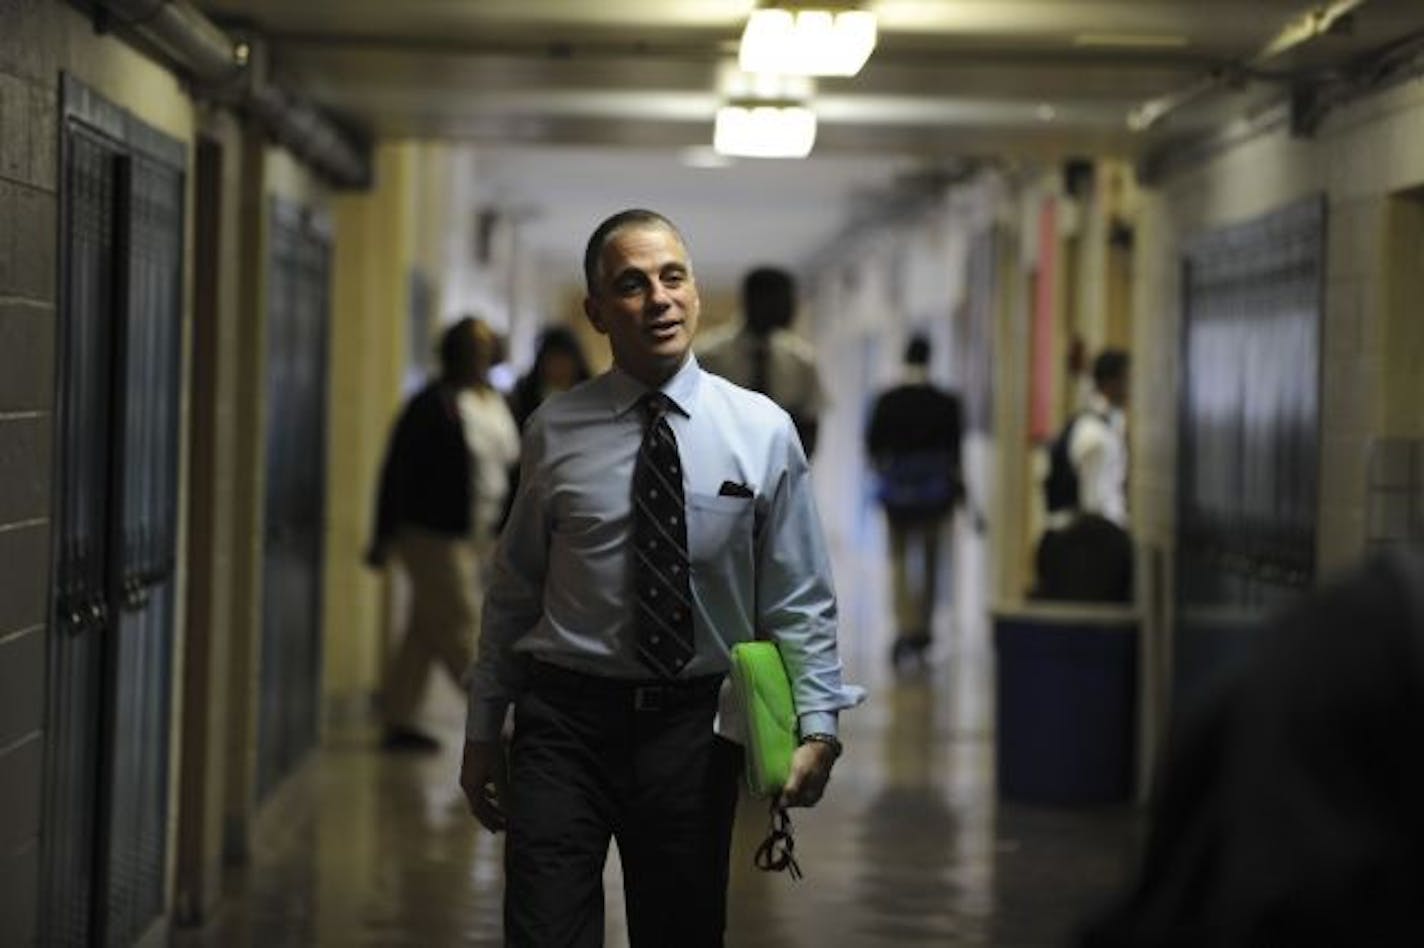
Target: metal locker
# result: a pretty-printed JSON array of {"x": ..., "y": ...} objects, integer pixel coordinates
[
  {"x": 299, "y": 271},
  {"x": 106, "y": 765},
  {"x": 1252, "y": 300}
]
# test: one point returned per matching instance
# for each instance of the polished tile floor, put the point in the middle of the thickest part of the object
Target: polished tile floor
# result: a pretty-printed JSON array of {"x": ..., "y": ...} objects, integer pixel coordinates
[{"x": 910, "y": 847}]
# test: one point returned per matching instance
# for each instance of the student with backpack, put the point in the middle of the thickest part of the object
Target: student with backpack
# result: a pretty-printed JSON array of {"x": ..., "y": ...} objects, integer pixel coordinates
[
  {"x": 913, "y": 444},
  {"x": 1086, "y": 553}
]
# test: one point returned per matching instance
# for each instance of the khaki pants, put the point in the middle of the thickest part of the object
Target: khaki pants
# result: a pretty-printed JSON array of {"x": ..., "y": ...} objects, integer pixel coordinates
[
  {"x": 443, "y": 621},
  {"x": 914, "y": 571}
]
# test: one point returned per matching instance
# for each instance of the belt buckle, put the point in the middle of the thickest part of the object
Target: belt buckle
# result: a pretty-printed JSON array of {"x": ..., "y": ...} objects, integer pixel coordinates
[{"x": 648, "y": 698}]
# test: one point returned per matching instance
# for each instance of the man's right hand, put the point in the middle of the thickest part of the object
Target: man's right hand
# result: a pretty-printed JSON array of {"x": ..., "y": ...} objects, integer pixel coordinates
[{"x": 484, "y": 776}]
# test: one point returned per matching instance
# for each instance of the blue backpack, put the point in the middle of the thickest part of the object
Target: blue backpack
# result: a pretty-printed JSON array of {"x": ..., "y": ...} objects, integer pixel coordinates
[{"x": 921, "y": 481}]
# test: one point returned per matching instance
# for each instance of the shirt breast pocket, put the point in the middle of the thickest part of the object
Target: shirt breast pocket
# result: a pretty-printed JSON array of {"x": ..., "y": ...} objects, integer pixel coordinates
[{"x": 719, "y": 529}]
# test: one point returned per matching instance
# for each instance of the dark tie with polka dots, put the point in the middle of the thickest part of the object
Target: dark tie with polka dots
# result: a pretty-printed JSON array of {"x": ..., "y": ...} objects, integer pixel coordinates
[{"x": 662, "y": 590}]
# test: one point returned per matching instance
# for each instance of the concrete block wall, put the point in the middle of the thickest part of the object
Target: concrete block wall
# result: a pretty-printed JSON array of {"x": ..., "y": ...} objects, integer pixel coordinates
[
  {"x": 28, "y": 209},
  {"x": 38, "y": 40}
]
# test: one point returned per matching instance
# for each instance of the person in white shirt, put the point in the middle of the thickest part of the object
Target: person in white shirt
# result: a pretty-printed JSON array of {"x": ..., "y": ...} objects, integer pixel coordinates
[
  {"x": 493, "y": 438},
  {"x": 1098, "y": 445},
  {"x": 663, "y": 515},
  {"x": 1086, "y": 552}
]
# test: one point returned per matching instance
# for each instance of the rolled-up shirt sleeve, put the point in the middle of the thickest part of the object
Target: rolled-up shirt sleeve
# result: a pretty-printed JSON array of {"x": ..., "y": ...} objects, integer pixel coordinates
[
  {"x": 796, "y": 601},
  {"x": 514, "y": 601}
]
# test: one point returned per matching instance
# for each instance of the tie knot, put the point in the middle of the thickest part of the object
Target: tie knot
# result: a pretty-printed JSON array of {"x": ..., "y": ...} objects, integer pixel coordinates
[{"x": 655, "y": 405}]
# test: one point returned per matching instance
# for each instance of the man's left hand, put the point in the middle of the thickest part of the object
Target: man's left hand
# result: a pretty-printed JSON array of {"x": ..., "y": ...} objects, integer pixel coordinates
[{"x": 810, "y": 772}]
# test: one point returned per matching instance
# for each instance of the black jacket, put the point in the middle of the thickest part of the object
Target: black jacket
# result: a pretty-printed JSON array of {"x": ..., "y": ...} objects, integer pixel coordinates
[
  {"x": 426, "y": 477},
  {"x": 913, "y": 440}
]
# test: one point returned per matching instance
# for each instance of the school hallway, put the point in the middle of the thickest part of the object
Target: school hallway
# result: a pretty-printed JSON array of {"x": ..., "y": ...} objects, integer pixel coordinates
[
  {"x": 909, "y": 846},
  {"x": 235, "y": 235}
]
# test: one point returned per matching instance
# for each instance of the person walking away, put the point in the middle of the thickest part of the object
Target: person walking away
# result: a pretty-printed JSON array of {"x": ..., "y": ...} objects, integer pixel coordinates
[
  {"x": 764, "y": 355},
  {"x": 913, "y": 443}
]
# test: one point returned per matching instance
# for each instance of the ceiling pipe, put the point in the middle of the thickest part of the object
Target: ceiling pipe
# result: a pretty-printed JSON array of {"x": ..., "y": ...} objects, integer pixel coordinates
[
  {"x": 1314, "y": 23},
  {"x": 182, "y": 34},
  {"x": 231, "y": 71},
  {"x": 1306, "y": 27}
]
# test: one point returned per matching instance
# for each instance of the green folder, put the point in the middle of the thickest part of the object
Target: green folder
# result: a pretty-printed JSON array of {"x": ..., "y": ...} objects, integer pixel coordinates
[{"x": 764, "y": 694}]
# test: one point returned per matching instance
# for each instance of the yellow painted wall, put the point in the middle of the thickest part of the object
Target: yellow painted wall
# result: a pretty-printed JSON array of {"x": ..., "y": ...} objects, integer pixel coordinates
[
  {"x": 377, "y": 243},
  {"x": 267, "y": 172}
]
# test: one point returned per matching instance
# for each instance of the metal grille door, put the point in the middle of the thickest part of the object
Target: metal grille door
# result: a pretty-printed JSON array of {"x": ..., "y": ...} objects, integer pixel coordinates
[
  {"x": 1250, "y": 431},
  {"x": 295, "y": 496},
  {"x": 147, "y": 481},
  {"x": 110, "y": 654},
  {"x": 82, "y": 618}
]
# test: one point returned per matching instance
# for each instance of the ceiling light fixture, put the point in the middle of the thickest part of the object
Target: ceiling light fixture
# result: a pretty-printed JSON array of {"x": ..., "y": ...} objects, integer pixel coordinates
[
  {"x": 765, "y": 130},
  {"x": 805, "y": 42}
]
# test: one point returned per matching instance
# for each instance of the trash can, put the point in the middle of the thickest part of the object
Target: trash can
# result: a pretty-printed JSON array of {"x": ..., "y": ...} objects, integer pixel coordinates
[{"x": 1066, "y": 703}]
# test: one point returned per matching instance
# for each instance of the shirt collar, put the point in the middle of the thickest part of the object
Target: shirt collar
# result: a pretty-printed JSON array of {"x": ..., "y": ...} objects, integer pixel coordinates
[
  {"x": 682, "y": 388},
  {"x": 1098, "y": 404}
]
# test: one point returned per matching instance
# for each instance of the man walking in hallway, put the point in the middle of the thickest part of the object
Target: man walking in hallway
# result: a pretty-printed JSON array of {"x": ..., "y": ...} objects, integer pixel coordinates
[
  {"x": 663, "y": 515},
  {"x": 426, "y": 512},
  {"x": 765, "y": 356},
  {"x": 913, "y": 442}
]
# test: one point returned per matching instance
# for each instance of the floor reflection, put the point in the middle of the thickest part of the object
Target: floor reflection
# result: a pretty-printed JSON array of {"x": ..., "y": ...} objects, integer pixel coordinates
[{"x": 909, "y": 848}]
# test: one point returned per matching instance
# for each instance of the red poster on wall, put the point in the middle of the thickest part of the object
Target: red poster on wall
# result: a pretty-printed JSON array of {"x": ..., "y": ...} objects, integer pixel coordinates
[{"x": 1040, "y": 397}]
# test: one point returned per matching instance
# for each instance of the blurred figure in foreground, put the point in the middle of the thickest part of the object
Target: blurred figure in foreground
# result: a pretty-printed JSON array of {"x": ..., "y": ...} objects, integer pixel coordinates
[
  {"x": 441, "y": 485},
  {"x": 1291, "y": 809},
  {"x": 765, "y": 356},
  {"x": 913, "y": 442}
]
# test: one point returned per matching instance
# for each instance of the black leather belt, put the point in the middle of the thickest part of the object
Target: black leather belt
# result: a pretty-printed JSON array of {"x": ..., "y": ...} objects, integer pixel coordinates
[{"x": 635, "y": 694}]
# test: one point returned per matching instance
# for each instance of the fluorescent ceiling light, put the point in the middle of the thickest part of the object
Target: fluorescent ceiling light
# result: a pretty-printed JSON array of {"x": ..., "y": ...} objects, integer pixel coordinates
[
  {"x": 807, "y": 42},
  {"x": 765, "y": 131}
]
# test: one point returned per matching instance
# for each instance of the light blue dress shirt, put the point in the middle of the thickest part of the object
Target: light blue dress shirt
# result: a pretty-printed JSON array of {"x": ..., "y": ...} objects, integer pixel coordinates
[{"x": 560, "y": 591}]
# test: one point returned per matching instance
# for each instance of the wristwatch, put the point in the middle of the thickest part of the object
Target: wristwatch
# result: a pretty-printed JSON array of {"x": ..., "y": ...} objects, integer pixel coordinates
[{"x": 830, "y": 740}]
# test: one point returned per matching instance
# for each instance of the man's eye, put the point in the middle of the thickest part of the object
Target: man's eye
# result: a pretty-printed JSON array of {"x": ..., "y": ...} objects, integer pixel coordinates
[
  {"x": 674, "y": 279},
  {"x": 627, "y": 287}
]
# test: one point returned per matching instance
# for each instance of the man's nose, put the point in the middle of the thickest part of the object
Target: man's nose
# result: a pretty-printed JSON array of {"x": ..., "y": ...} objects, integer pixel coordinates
[{"x": 659, "y": 298}]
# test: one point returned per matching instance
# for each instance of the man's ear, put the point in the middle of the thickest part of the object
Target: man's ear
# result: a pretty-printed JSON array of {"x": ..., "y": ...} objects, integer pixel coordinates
[{"x": 590, "y": 309}]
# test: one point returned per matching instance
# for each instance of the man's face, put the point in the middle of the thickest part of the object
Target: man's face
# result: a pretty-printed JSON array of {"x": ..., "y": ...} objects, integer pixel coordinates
[{"x": 645, "y": 302}]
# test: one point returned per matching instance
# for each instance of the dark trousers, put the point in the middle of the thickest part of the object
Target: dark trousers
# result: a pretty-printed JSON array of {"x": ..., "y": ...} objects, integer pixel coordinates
[{"x": 594, "y": 759}]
